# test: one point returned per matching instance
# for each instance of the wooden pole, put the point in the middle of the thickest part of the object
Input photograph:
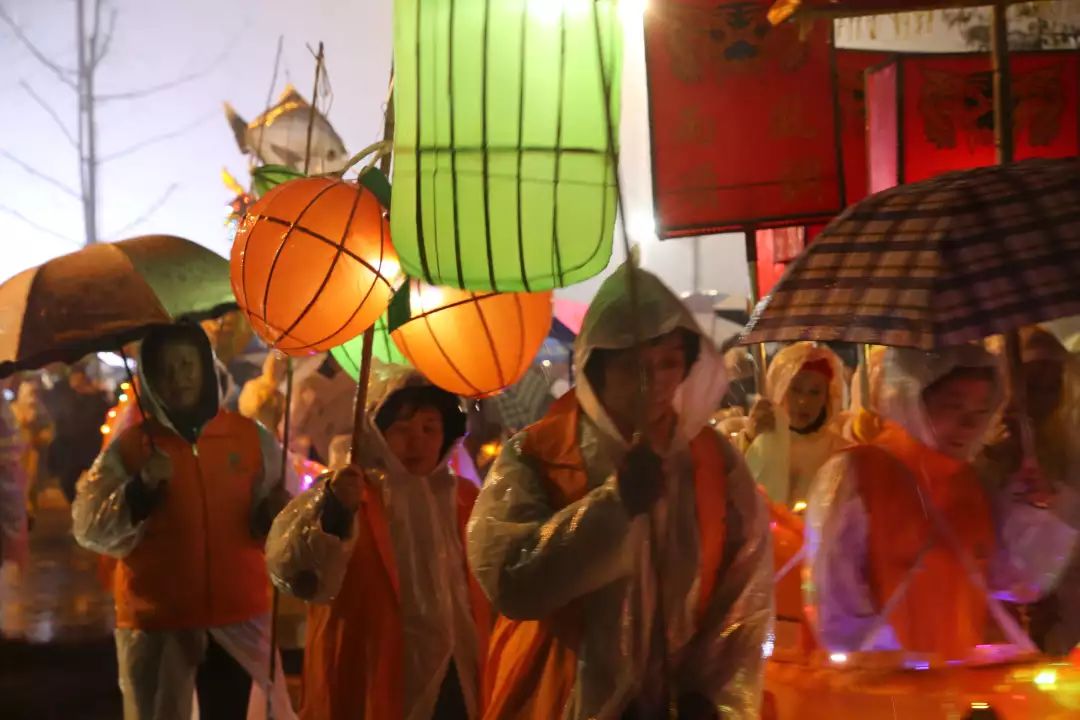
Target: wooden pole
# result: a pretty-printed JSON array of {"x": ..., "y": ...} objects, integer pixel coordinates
[
  {"x": 758, "y": 350},
  {"x": 1004, "y": 143},
  {"x": 360, "y": 406},
  {"x": 287, "y": 427}
]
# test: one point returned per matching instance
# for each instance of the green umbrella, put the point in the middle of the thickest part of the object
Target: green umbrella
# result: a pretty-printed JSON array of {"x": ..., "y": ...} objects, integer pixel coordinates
[{"x": 105, "y": 296}]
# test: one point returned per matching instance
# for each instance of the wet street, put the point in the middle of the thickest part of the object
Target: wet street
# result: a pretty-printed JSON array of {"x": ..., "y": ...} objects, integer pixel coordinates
[{"x": 56, "y": 653}]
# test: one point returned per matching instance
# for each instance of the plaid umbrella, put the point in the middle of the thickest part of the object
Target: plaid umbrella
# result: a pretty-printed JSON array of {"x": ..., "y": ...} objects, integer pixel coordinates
[{"x": 940, "y": 262}]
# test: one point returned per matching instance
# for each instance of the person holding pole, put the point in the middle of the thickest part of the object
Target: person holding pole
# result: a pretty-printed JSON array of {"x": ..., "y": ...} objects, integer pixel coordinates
[
  {"x": 622, "y": 540},
  {"x": 182, "y": 499},
  {"x": 397, "y": 629}
]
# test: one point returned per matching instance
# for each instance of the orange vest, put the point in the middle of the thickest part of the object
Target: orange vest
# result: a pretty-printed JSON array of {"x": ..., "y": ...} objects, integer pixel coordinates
[
  {"x": 198, "y": 564},
  {"x": 354, "y": 656},
  {"x": 942, "y": 610},
  {"x": 532, "y": 664}
]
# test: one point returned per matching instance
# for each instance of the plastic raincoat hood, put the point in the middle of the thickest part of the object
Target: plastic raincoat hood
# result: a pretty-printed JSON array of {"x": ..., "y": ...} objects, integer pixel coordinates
[
  {"x": 908, "y": 373},
  {"x": 210, "y": 397},
  {"x": 609, "y": 325},
  {"x": 542, "y": 559}
]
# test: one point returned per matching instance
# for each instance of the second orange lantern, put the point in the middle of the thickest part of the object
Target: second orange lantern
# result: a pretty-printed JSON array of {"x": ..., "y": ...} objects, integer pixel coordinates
[
  {"x": 312, "y": 265},
  {"x": 471, "y": 344}
]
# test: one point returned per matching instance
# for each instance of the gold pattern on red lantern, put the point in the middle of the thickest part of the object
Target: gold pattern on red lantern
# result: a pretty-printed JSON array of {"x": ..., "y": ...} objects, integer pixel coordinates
[
  {"x": 312, "y": 265},
  {"x": 471, "y": 344}
]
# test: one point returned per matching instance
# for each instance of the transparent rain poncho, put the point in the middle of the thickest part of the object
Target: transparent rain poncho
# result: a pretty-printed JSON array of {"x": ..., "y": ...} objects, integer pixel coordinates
[
  {"x": 533, "y": 559},
  {"x": 428, "y": 557},
  {"x": 101, "y": 522},
  {"x": 1031, "y": 545}
]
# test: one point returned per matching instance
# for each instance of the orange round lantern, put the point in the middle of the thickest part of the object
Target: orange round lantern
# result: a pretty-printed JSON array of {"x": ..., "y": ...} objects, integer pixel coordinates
[
  {"x": 312, "y": 265},
  {"x": 472, "y": 344}
]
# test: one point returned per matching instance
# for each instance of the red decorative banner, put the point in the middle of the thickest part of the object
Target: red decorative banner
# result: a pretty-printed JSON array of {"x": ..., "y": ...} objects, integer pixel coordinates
[
  {"x": 932, "y": 114},
  {"x": 776, "y": 248},
  {"x": 744, "y": 118},
  {"x": 851, "y": 67}
]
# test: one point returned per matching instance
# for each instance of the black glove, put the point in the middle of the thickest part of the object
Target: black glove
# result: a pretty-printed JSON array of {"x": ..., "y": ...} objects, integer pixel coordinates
[{"x": 641, "y": 479}]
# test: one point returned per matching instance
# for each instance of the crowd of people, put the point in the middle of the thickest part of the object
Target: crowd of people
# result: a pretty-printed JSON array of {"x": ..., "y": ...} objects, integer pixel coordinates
[{"x": 615, "y": 560}]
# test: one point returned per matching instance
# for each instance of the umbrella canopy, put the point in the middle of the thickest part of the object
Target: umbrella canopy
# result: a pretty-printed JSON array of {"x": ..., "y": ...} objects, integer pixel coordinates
[
  {"x": 936, "y": 263},
  {"x": 106, "y": 295}
]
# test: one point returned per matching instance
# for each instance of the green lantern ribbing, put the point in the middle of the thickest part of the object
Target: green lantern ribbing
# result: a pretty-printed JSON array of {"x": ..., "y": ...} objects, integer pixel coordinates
[{"x": 504, "y": 177}]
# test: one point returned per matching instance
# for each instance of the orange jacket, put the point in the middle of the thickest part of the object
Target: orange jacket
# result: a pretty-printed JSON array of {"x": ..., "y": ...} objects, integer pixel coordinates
[
  {"x": 942, "y": 611},
  {"x": 532, "y": 665},
  {"x": 354, "y": 656},
  {"x": 198, "y": 563}
]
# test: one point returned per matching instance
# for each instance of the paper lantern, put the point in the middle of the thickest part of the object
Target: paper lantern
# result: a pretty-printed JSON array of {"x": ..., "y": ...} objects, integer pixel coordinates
[
  {"x": 312, "y": 264},
  {"x": 472, "y": 344},
  {"x": 930, "y": 114},
  {"x": 348, "y": 356},
  {"x": 503, "y": 177}
]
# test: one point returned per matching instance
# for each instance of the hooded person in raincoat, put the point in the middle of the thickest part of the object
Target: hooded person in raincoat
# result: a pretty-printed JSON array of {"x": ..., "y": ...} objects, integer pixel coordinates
[
  {"x": 791, "y": 433},
  {"x": 630, "y": 575},
  {"x": 1052, "y": 379},
  {"x": 397, "y": 630},
  {"x": 14, "y": 545},
  {"x": 183, "y": 500},
  {"x": 863, "y": 420},
  {"x": 906, "y": 549}
]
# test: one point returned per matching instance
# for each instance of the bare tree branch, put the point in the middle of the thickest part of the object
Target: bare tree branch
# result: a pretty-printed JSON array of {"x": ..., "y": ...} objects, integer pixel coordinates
[
  {"x": 99, "y": 52},
  {"x": 148, "y": 213},
  {"x": 37, "y": 226},
  {"x": 174, "y": 83},
  {"x": 64, "y": 75},
  {"x": 31, "y": 170},
  {"x": 50, "y": 112},
  {"x": 155, "y": 139}
]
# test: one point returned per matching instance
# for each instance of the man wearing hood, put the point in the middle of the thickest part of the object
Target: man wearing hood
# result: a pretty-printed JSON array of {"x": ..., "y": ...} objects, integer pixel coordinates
[
  {"x": 906, "y": 549},
  {"x": 183, "y": 499},
  {"x": 621, "y": 539},
  {"x": 397, "y": 629}
]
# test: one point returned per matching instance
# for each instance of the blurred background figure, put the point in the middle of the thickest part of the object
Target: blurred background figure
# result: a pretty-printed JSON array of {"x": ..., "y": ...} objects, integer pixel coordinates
[
  {"x": 798, "y": 425},
  {"x": 1052, "y": 384},
  {"x": 78, "y": 405},
  {"x": 37, "y": 430}
]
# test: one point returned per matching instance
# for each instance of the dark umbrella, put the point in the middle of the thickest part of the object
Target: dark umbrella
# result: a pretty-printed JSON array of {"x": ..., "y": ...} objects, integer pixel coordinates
[
  {"x": 941, "y": 262},
  {"x": 106, "y": 295}
]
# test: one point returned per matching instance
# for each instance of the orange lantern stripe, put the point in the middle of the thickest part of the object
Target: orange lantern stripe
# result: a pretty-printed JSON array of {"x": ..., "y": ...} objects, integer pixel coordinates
[
  {"x": 333, "y": 263},
  {"x": 341, "y": 249},
  {"x": 439, "y": 345}
]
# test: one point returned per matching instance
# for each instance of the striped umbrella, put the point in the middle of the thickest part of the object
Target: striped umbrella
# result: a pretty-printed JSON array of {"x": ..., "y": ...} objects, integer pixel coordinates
[{"x": 941, "y": 262}]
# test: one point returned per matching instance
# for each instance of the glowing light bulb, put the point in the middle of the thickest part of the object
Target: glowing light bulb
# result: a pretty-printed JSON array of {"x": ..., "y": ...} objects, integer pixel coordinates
[
  {"x": 632, "y": 9},
  {"x": 838, "y": 658},
  {"x": 112, "y": 414},
  {"x": 1046, "y": 678},
  {"x": 799, "y": 506},
  {"x": 105, "y": 429},
  {"x": 123, "y": 397}
]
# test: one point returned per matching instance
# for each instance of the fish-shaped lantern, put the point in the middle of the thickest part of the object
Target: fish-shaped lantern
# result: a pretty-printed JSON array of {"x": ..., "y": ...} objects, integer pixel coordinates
[{"x": 279, "y": 135}]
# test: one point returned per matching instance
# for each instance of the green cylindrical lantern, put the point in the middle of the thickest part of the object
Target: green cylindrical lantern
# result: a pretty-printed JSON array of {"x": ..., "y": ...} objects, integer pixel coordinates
[
  {"x": 503, "y": 171},
  {"x": 348, "y": 355}
]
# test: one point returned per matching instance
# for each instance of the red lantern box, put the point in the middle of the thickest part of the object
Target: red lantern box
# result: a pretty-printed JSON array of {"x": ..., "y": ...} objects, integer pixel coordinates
[{"x": 929, "y": 114}]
